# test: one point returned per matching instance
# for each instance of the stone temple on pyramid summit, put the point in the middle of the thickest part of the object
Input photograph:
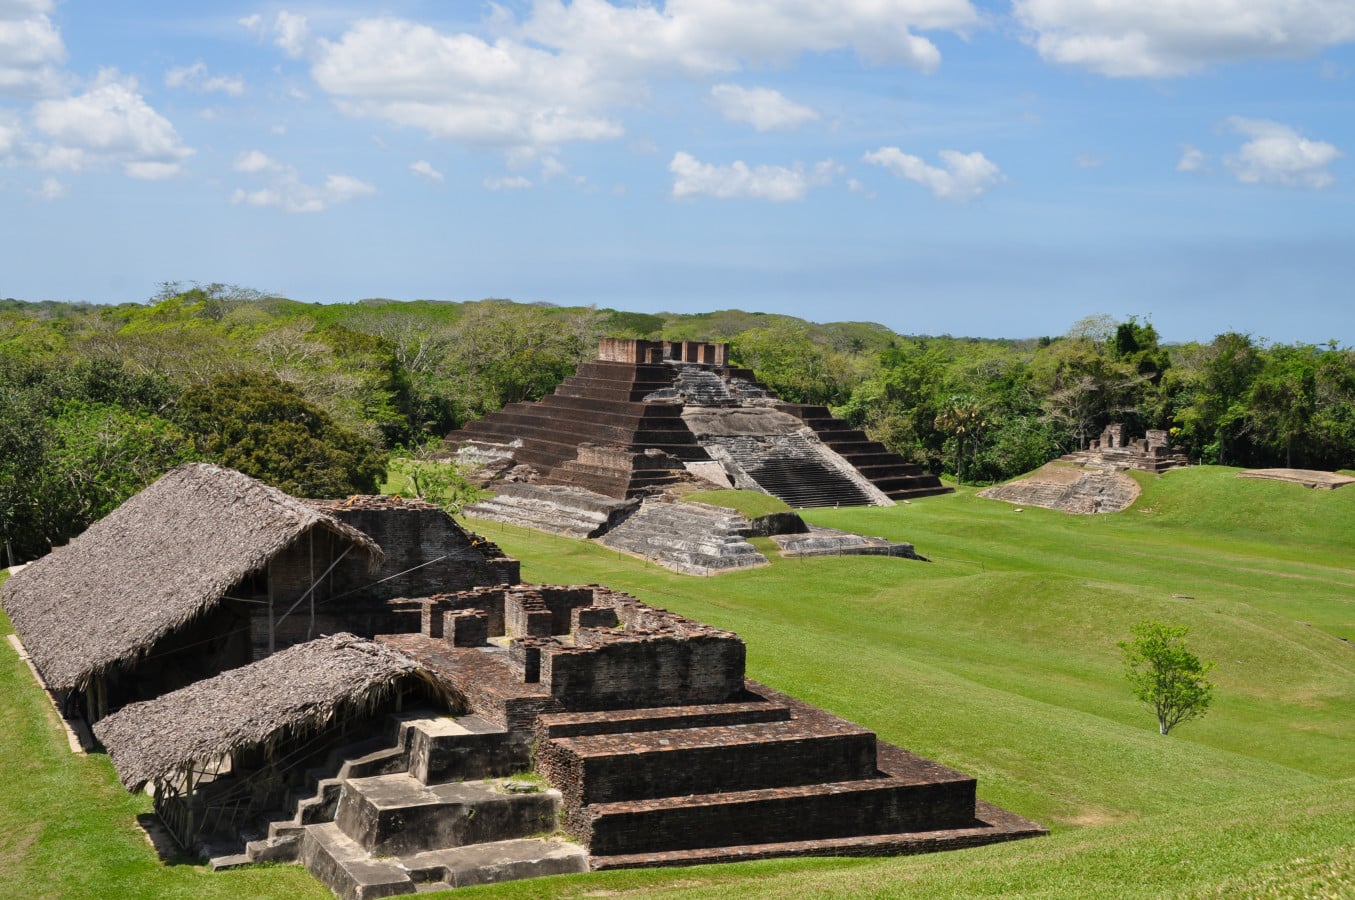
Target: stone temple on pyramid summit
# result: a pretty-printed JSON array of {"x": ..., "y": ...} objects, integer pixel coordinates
[{"x": 647, "y": 415}]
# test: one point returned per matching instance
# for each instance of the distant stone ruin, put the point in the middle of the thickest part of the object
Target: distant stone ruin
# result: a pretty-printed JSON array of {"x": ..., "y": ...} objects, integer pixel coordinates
[
  {"x": 1115, "y": 450},
  {"x": 647, "y": 415},
  {"x": 1069, "y": 488}
]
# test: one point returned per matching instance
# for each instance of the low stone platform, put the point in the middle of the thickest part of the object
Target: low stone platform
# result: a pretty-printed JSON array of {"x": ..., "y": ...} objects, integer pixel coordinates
[
  {"x": 1309, "y": 478},
  {"x": 819, "y": 541},
  {"x": 571, "y": 511},
  {"x": 1069, "y": 488},
  {"x": 354, "y": 874},
  {"x": 692, "y": 538}
]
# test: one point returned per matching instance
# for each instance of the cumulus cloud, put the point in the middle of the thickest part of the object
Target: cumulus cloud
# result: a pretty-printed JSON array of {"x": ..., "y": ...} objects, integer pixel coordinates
[
  {"x": 463, "y": 88},
  {"x": 763, "y": 108},
  {"x": 31, "y": 49},
  {"x": 1164, "y": 38},
  {"x": 707, "y": 36},
  {"x": 559, "y": 74},
  {"x": 288, "y": 30},
  {"x": 424, "y": 169},
  {"x": 255, "y": 161},
  {"x": 287, "y": 192},
  {"x": 693, "y": 178},
  {"x": 1193, "y": 159},
  {"x": 1277, "y": 154},
  {"x": 962, "y": 177},
  {"x": 196, "y": 78},
  {"x": 111, "y": 122}
]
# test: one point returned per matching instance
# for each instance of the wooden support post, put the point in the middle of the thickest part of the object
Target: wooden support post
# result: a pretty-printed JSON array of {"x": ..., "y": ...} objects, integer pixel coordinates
[{"x": 272, "y": 638}]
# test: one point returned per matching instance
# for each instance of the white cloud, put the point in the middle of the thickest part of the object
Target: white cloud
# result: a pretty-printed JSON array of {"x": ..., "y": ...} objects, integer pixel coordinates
[
  {"x": 508, "y": 183},
  {"x": 1277, "y": 154},
  {"x": 1088, "y": 161},
  {"x": 255, "y": 161},
  {"x": 111, "y": 122},
  {"x": 424, "y": 169},
  {"x": 50, "y": 189},
  {"x": 287, "y": 30},
  {"x": 460, "y": 87},
  {"x": 1193, "y": 159},
  {"x": 558, "y": 74},
  {"x": 1163, "y": 38},
  {"x": 31, "y": 50},
  {"x": 965, "y": 176},
  {"x": 693, "y": 178},
  {"x": 552, "y": 168},
  {"x": 288, "y": 193},
  {"x": 195, "y": 78},
  {"x": 763, "y": 108},
  {"x": 291, "y": 31},
  {"x": 705, "y": 36}
]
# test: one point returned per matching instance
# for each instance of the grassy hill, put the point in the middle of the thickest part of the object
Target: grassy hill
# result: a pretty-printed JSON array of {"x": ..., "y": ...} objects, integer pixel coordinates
[{"x": 998, "y": 658}]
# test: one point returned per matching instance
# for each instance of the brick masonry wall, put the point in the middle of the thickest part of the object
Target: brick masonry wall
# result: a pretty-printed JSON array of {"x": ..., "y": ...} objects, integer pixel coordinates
[{"x": 645, "y": 671}]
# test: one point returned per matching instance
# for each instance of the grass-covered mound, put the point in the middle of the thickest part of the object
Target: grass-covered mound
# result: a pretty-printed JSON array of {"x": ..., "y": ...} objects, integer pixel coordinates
[
  {"x": 750, "y": 504},
  {"x": 997, "y": 658}
]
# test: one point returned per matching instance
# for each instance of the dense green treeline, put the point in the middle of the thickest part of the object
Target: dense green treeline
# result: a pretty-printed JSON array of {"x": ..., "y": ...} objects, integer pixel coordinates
[{"x": 96, "y": 401}]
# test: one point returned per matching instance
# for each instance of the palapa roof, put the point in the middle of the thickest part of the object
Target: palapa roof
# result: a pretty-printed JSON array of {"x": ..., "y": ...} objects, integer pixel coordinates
[
  {"x": 151, "y": 566},
  {"x": 293, "y": 692}
]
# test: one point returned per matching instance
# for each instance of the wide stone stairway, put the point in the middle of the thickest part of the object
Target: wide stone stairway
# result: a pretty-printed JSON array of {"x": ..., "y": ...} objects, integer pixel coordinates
[{"x": 888, "y": 471}]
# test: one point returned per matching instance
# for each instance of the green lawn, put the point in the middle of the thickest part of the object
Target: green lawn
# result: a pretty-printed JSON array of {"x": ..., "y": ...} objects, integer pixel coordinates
[{"x": 997, "y": 658}]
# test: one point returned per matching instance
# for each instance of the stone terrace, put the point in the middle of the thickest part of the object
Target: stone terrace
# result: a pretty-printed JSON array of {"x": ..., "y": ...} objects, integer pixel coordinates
[{"x": 661, "y": 750}]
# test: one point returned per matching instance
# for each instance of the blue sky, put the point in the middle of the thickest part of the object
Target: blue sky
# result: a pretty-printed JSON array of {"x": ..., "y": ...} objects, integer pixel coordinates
[{"x": 941, "y": 166}]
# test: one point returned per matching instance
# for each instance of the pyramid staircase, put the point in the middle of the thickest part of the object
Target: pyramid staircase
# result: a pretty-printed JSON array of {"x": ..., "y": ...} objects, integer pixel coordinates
[
  {"x": 603, "y": 404},
  {"x": 790, "y": 469},
  {"x": 891, "y": 473}
]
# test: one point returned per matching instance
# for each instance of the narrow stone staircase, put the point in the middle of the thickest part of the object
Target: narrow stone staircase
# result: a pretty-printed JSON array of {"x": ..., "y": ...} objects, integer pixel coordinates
[{"x": 440, "y": 808}]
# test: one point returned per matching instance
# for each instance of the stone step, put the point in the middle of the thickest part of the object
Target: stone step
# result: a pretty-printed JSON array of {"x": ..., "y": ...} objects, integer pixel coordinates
[
  {"x": 389, "y": 815},
  {"x": 992, "y": 825},
  {"x": 470, "y": 747},
  {"x": 573, "y": 724},
  {"x": 877, "y": 806},
  {"x": 353, "y": 874},
  {"x": 601, "y": 768}
]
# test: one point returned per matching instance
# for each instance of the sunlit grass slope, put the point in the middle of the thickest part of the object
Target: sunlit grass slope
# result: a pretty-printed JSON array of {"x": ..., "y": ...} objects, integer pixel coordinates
[{"x": 998, "y": 657}]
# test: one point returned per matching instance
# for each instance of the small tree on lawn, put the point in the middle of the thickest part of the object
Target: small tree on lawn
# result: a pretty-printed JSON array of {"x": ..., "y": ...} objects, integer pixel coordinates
[{"x": 1166, "y": 675}]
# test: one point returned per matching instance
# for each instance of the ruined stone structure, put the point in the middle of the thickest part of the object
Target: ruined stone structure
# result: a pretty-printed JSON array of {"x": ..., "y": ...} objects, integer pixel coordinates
[
  {"x": 646, "y": 414},
  {"x": 1069, "y": 488},
  {"x": 1116, "y": 450},
  {"x": 626, "y": 734}
]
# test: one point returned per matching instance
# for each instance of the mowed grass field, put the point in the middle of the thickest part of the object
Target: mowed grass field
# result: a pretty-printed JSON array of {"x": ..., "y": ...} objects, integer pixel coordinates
[{"x": 998, "y": 658}]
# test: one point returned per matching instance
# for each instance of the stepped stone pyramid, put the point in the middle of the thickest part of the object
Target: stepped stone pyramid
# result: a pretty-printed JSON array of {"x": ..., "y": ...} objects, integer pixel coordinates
[{"x": 646, "y": 415}]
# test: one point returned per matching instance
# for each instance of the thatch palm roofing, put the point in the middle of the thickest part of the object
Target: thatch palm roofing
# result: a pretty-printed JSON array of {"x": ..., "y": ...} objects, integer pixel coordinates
[
  {"x": 151, "y": 566},
  {"x": 296, "y": 691}
]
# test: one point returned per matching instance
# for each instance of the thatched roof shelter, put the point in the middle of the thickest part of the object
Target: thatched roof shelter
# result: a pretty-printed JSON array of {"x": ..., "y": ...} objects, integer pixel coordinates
[
  {"x": 294, "y": 692},
  {"x": 154, "y": 564}
]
